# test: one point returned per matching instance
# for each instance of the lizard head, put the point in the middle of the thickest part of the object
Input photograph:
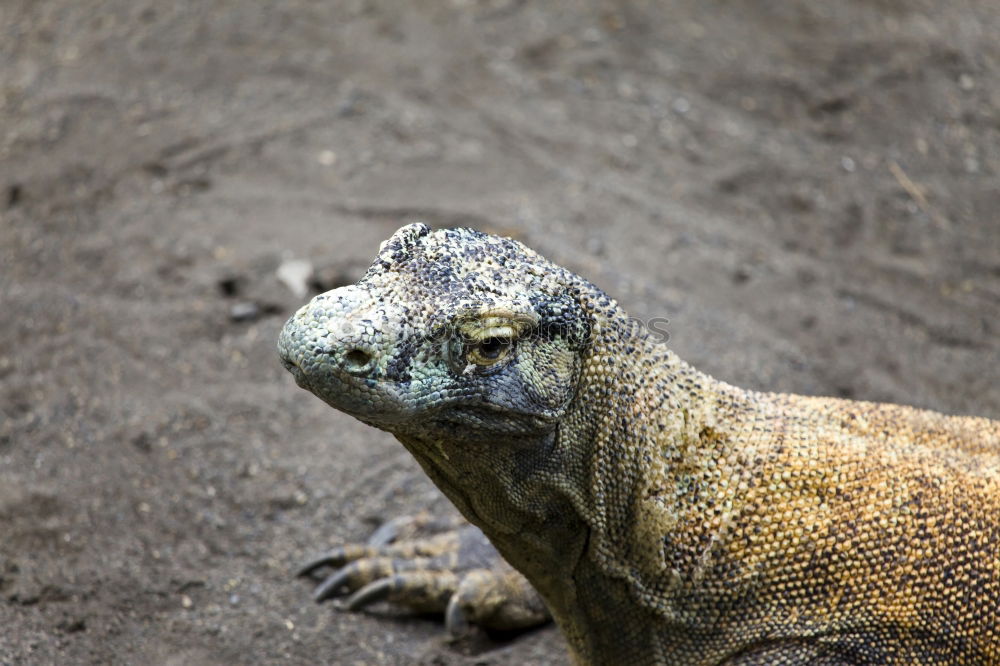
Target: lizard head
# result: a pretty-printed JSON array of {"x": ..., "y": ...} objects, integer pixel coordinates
[{"x": 451, "y": 335}]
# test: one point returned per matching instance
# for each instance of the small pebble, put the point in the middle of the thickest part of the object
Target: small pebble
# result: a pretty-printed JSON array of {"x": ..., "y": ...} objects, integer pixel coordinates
[
  {"x": 245, "y": 311},
  {"x": 295, "y": 274}
]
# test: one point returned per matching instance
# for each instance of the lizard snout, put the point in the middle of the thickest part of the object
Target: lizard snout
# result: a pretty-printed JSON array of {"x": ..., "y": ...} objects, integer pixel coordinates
[{"x": 340, "y": 330}]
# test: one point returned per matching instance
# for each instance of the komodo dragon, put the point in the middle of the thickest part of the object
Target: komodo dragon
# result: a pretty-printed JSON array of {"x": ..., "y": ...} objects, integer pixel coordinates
[{"x": 665, "y": 517}]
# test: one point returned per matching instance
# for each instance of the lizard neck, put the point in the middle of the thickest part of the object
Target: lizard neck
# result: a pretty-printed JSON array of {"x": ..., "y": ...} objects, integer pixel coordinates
[
  {"x": 643, "y": 419},
  {"x": 649, "y": 429}
]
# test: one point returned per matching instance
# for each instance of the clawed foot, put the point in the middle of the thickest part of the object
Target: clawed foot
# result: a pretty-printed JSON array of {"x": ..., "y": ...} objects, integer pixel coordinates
[{"x": 456, "y": 572}]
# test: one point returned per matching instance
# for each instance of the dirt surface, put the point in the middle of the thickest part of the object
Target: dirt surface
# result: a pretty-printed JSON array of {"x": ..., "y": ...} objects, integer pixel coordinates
[{"x": 810, "y": 192}]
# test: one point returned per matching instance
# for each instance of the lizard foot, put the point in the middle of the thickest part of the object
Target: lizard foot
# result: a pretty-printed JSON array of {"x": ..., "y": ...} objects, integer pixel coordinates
[{"x": 456, "y": 572}]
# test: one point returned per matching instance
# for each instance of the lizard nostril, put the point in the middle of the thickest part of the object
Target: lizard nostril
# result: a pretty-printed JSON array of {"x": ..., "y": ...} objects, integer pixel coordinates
[{"x": 356, "y": 360}]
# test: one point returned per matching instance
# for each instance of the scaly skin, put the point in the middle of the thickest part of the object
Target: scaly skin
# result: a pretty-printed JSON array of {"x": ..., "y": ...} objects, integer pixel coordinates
[{"x": 664, "y": 516}]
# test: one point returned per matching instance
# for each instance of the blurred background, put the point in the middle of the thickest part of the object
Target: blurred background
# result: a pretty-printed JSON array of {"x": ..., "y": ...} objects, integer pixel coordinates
[{"x": 808, "y": 191}]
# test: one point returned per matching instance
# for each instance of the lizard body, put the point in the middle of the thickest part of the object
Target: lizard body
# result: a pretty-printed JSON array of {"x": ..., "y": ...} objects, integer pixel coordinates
[{"x": 665, "y": 517}]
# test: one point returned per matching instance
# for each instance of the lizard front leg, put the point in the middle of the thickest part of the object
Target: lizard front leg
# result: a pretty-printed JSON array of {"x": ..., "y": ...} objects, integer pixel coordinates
[{"x": 456, "y": 572}]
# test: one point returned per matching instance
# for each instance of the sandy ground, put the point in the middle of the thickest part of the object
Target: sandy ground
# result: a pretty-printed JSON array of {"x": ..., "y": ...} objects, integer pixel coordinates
[{"x": 809, "y": 192}]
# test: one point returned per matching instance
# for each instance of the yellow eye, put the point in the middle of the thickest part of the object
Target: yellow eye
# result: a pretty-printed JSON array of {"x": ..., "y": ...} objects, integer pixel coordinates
[{"x": 490, "y": 350}]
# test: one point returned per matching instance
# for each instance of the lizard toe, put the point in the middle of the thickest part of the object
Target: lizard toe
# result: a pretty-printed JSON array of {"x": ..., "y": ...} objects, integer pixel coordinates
[
  {"x": 357, "y": 574},
  {"x": 422, "y": 591},
  {"x": 500, "y": 599}
]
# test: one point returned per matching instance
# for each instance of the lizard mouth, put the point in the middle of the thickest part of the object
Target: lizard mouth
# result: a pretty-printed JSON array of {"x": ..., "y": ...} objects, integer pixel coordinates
[
  {"x": 377, "y": 402},
  {"x": 297, "y": 373},
  {"x": 491, "y": 420}
]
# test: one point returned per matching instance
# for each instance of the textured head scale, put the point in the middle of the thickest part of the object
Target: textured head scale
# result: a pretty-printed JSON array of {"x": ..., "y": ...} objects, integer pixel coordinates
[{"x": 447, "y": 330}]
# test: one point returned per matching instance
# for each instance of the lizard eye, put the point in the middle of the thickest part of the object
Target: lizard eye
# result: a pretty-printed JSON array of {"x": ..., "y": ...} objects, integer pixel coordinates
[
  {"x": 485, "y": 338},
  {"x": 490, "y": 350}
]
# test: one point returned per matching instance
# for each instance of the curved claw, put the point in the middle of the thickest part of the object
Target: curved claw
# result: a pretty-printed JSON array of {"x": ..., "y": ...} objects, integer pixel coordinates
[
  {"x": 332, "y": 558},
  {"x": 335, "y": 557},
  {"x": 329, "y": 587},
  {"x": 455, "y": 621},
  {"x": 387, "y": 532},
  {"x": 371, "y": 593}
]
